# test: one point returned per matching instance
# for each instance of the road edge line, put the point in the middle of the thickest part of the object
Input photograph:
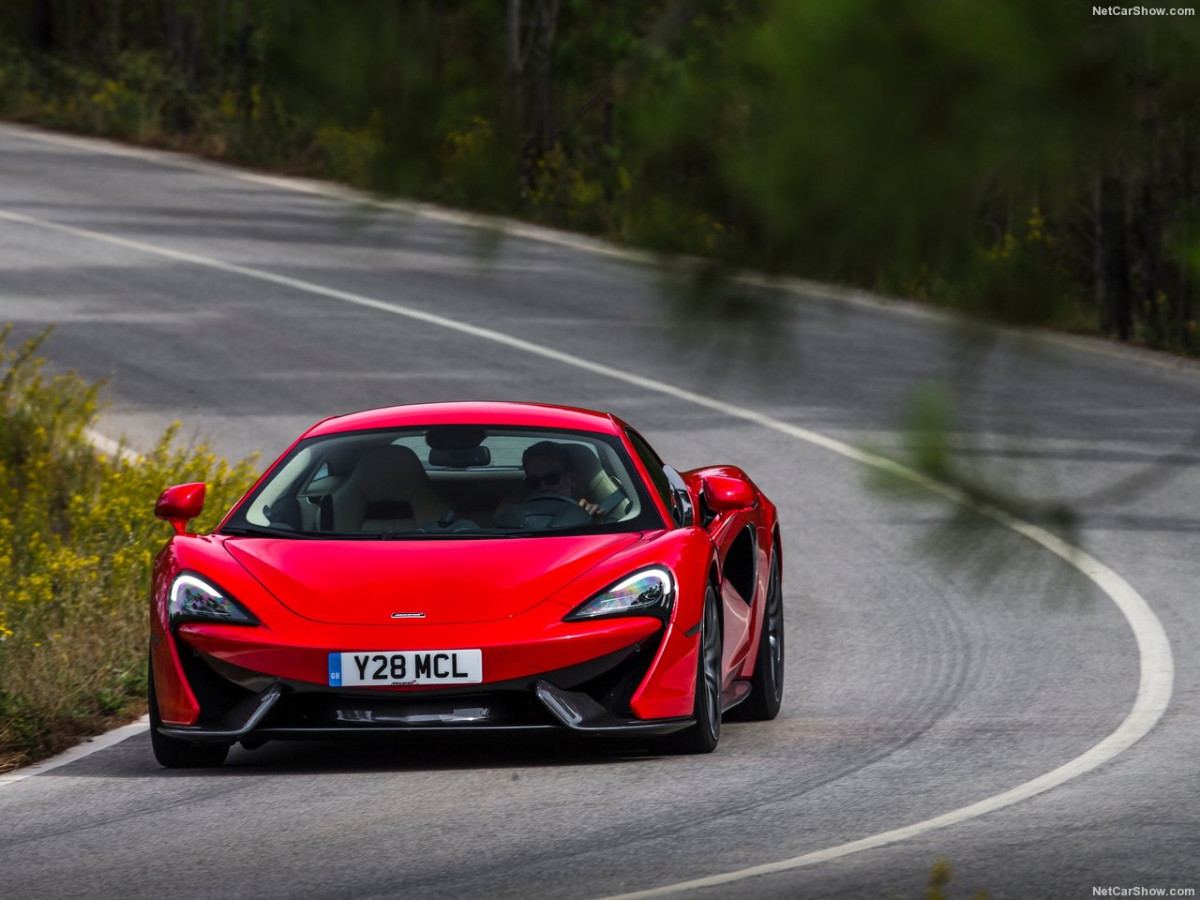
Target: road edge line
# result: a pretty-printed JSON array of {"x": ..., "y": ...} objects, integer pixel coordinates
[
  {"x": 85, "y": 748},
  {"x": 799, "y": 288}
]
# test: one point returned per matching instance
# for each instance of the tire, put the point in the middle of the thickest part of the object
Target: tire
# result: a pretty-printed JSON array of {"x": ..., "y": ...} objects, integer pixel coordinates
[
  {"x": 173, "y": 753},
  {"x": 704, "y": 735},
  {"x": 766, "y": 684}
]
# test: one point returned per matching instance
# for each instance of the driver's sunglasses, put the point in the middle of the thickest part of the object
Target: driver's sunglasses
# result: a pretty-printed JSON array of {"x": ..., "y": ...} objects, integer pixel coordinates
[{"x": 550, "y": 479}]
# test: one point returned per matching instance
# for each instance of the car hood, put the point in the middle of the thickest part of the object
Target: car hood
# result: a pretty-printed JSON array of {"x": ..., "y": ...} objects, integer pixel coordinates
[{"x": 450, "y": 581}]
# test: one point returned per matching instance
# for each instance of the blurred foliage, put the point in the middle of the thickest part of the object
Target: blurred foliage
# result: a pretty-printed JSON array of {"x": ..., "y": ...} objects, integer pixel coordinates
[
  {"x": 1025, "y": 161},
  {"x": 940, "y": 875},
  {"x": 936, "y": 446},
  {"x": 77, "y": 539},
  {"x": 951, "y": 151}
]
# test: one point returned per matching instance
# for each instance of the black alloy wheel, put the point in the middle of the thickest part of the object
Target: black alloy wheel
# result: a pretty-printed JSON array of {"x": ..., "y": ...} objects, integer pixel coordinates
[
  {"x": 704, "y": 735},
  {"x": 766, "y": 685}
]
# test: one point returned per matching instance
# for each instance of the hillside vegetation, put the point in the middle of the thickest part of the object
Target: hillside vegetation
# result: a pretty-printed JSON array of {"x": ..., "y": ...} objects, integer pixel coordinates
[
  {"x": 77, "y": 537},
  {"x": 1030, "y": 162}
]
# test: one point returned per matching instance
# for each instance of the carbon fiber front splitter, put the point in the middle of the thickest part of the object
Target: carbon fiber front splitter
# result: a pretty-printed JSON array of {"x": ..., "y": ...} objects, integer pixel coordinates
[{"x": 575, "y": 710}]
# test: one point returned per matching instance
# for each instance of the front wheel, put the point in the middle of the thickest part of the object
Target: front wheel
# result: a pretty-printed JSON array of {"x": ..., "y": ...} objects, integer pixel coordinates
[
  {"x": 704, "y": 735},
  {"x": 173, "y": 753},
  {"x": 766, "y": 685}
]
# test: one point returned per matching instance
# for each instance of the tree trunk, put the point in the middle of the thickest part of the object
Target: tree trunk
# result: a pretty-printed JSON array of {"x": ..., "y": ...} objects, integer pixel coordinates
[
  {"x": 515, "y": 64},
  {"x": 1148, "y": 231},
  {"x": 114, "y": 31},
  {"x": 1185, "y": 268},
  {"x": 1112, "y": 259},
  {"x": 543, "y": 97},
  {"x": 41, "y": 25}
]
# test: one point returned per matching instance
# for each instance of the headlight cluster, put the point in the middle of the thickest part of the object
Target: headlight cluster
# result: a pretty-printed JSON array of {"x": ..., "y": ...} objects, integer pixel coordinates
[
  {"x": 195, "y": 600},
  {"x": 647, "y": 593}
]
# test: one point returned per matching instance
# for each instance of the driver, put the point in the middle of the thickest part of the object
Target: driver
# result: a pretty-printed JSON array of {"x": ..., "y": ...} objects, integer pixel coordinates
[{"x": 548, "y": 468}]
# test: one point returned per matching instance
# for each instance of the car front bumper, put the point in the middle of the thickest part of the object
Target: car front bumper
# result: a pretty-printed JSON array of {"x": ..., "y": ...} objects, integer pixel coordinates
[{"x": 237, "y": 703}]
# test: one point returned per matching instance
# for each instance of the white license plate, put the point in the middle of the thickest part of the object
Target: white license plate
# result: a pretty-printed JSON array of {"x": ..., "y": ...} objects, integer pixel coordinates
[{"x": 390, "y": 667}]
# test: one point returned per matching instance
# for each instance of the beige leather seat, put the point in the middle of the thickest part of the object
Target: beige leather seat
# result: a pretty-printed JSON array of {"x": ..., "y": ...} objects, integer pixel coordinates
[
  {"x": 592, "y": 483},
  {"x": 387, "y": 490}
]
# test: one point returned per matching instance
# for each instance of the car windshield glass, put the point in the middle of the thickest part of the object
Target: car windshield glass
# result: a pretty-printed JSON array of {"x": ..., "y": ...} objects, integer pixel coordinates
[{"x": 449, "y": 481}]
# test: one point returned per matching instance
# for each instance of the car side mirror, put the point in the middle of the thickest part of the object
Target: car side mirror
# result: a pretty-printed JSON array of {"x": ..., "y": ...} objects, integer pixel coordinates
[
  {"x": 727, "y": 492},
  {"x": 180, "y": 504}
]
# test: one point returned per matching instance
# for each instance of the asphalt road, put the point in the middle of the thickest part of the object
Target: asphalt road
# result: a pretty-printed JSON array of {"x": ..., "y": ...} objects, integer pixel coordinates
[{"x": 935, "y": 660}]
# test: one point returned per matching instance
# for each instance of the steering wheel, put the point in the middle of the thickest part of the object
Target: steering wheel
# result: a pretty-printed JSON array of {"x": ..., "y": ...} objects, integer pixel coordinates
[
  {"x": 551, "y": 510},
  {"x": 550, "y": 495},
  {"x": 604, "y": 509}
]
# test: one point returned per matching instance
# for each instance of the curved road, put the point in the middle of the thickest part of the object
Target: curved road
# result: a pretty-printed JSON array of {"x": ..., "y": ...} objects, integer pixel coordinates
[{"x": 936, "y": 659}]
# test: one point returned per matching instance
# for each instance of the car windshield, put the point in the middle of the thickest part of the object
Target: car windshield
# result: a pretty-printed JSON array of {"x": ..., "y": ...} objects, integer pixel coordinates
[{"x": 449, "y": 481}]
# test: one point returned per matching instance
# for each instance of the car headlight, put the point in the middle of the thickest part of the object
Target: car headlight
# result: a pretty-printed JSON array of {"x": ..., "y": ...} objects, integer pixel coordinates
[
  {"x": 194, "y": 599},
  {"x": 647, "y": 593}
]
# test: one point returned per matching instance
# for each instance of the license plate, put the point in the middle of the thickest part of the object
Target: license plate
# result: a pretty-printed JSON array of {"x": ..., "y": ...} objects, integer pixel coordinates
[{"x": 392, "y": 667}]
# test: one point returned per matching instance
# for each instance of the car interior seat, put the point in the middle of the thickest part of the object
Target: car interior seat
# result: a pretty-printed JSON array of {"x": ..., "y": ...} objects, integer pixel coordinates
[
  {"x": 387, "y": 490},
  {"x": 592, "y": 483}
]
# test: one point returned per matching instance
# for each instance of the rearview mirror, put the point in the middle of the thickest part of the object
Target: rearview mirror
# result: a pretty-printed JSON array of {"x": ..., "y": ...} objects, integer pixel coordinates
[{"x": 180, "y": 504}]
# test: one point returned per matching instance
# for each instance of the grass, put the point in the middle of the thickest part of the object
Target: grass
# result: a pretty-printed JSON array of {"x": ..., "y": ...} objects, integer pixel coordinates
[{"x": 77, "y": 540}]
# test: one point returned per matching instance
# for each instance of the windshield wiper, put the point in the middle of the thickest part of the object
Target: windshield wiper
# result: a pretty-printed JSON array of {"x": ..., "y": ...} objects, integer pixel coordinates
[
  {"x": 439, "y": 535},
  {"x": 260, "y": 531}
]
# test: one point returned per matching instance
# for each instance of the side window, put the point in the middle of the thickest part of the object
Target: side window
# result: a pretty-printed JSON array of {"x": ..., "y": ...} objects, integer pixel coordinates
[{"x": 654, "y": 466}]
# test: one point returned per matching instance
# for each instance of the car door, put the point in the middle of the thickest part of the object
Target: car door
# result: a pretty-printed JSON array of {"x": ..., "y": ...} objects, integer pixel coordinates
[
  {"x": 731, "y": 528},
  {"x": 732, "y": 532}
]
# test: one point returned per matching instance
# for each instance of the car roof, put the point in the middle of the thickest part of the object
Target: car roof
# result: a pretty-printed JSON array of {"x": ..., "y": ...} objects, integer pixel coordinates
[{"x": 522, "y": 415}]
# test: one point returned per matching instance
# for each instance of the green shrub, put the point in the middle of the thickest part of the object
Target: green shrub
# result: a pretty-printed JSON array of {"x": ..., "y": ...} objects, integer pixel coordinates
[{"x": 77, "y": 539}]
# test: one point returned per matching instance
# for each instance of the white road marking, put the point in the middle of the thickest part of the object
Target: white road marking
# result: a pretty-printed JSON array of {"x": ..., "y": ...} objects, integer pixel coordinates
[
  {"x": 1154, "y": 694},
  {"x": 798, "y": 287},
  {"x": 87, "y": 748},
  {"x": 1154, "y": 650},
  {"x": 107, "y": 445}
]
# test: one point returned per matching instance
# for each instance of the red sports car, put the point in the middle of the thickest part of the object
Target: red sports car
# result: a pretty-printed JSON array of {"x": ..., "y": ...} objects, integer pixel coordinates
[{"x": 467, "y": 566}]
